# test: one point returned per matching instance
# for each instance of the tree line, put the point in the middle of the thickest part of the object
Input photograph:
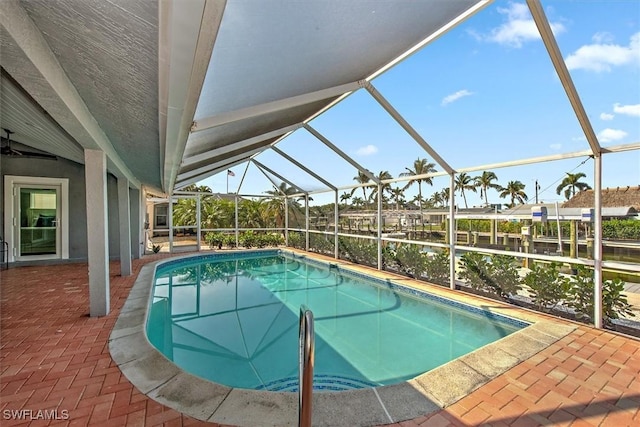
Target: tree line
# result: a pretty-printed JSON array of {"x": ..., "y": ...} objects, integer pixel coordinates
[
  {"x": 269, "y": 212},
  {"x": 464, "y": 183}
]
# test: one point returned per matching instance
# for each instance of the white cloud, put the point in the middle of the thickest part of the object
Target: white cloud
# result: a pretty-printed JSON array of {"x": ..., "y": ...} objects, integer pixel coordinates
[
  {"x": 519, "y": 27},
  {"x": 367, "y": 150},
  {"x": 630, "y": 110},
  {"x": 455, "y": 96},
  {"x": 606, "y": 116},
  {"x": 555, "y": 147},
  {"x": 610, "y": 135},
  {"x": 602, "y": 56},
  {"x": 602, "y": 37}
]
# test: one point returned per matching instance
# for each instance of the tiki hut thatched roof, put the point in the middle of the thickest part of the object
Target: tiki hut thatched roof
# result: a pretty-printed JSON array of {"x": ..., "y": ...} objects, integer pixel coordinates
[{"x": 611, "y": 197}]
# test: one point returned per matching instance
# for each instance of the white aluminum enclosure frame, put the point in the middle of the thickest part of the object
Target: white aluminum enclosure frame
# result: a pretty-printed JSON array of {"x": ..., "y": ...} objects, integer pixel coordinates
[{"x": 343, "y": 91}]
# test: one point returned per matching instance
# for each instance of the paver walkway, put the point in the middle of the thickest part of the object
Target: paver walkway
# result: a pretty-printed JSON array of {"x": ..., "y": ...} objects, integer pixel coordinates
[{"x": 55, "y": 363}]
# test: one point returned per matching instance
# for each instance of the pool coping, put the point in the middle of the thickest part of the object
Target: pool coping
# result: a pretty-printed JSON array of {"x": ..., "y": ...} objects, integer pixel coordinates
[{"x": 161, "y": 380}]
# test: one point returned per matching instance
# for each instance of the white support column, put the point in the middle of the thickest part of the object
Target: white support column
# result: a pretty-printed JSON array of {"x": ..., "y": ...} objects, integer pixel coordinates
[
  {"x": 95, "y": 167},
  {"x": 170, "y": 220},
  {"x": 336, "y": 218},
  {"x": 198, "y": 220},
  {"x": 306, "y": 221},
  {"x": 124, "y": 217},
  {"x": 597, "y": 241},
  {"x": 236, "y": 220},
  {"x": 286, "y": 220},
  {"x": 452, "y": 232},
  {"x": 379, "y": 221},
  {"x": 142, "y": 230}
]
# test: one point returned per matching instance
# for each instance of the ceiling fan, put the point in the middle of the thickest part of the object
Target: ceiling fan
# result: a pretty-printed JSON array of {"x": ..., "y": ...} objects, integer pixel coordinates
[{"x": 7, "y": 150}]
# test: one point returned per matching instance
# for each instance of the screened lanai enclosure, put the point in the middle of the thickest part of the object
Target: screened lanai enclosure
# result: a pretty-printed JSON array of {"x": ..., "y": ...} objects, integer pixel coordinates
[
  {"x": 488, "y": 147},
  {"x": 510, "y": 244}
]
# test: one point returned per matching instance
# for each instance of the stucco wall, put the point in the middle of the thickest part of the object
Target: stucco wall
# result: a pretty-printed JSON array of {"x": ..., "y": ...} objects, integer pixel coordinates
[{"x": 62, "y": 168}]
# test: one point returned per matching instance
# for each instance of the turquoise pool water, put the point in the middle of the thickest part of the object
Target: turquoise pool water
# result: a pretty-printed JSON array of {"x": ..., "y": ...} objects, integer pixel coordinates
[{"x": 235, "y": 322}]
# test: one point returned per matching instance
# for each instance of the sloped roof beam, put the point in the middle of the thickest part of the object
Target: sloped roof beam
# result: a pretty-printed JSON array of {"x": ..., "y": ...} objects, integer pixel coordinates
[
  {"x": 244, "y": 175},
  {"x": 183, "y": 62},
  {"x": 341, "y": 153},
  {"x": 528, "y": 161},
  {"x": 30, "y": 40},
  {"x": 272, "y": 172},
  {"x": 203, "y": 175},
  {"x": 273, "y": 106},
  {"x": 304, "y": 168},
  {"x": 266, "y": 175},
  {"x": 407, "y": 127},
  {"x": 209, "y": 168},
  {"x": 239, "y": 144},
  {"x": 563, "y": 73},
  {"x": 475, "y": 8}
]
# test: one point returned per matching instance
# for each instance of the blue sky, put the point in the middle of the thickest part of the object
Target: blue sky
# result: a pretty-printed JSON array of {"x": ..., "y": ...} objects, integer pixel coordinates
[{"x": 486, "y": 92}]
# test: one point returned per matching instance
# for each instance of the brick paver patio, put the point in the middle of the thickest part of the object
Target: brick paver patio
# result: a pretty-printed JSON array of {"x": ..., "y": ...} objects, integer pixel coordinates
[{"x": 55, "y": 358}]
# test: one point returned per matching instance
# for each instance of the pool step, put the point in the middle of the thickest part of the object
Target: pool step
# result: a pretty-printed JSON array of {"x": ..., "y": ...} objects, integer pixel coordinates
[{"x": 320, "y": 383}]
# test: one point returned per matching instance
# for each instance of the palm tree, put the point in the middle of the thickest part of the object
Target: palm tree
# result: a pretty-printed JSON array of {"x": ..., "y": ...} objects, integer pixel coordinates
[
  {"x": 215, "y": 214},
  {"x": 385, "y": 187},
  {"x": 446, "y": 196},
  {"x": 465, "y": 182},
  {"x": 484, "y": 181},
  {"x": 437, "y": 199},
  {"x": 185, "y": 212},
  {"x": 251, "y": 214},
  {"x": 276, "y": 205},
  {"x": 570, "y": 183},
  {"x": 357, "y": 202},
  {"x": 420, "y": 167},
  {"x": 397, "y": 194},
  {"x": 185, "y": 209},
  {"x": 197, "y": 188},
  {"x": 362, "y": 178},
  {"x": 515, "y": 190},
  {"x": 344, "y": 198}
]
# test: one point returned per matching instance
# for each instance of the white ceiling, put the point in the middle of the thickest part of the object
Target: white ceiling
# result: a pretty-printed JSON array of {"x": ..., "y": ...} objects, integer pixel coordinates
[{"x": 176, "y": 91}]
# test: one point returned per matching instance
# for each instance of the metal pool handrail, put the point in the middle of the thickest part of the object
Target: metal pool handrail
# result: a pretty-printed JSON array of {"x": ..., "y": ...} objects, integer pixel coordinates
[{"x": 306, "y": 347}]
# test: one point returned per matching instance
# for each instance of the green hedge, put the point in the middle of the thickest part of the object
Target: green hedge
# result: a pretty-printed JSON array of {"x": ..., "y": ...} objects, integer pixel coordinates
[
  {"x": 248, "y": 239},
  {"x": 621, "y": 229}
]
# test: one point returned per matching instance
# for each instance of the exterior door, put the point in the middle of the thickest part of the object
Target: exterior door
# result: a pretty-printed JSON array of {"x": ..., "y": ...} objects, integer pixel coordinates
[
  {"x": 38, "y": 216},
  {"x": 36, "y": 222}
]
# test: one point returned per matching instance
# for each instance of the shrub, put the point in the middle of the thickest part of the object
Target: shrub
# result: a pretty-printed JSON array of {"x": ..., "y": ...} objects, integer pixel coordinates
[
  {"x": 273, "y": 239},
  {"x": 214, "y": 239},
  {"x": 505, "y": 280},
  {"x": 411, "y": 260},
  {"x": 581, "y": 297},
  {"x": 296, "y": 240},
  {"x": 359, "y": 252},
  {"x": 229, "y": 240},
  {"x": 474, "y": 269},
  {"x": 497, "y": 275},
  {"x": 621, "y": 229},
  {"x": 321, "y": 243},
  {"x": 548, "y": 288},
  {"x": 248, "y": 239},
  {"x": 437, "y": 267}
]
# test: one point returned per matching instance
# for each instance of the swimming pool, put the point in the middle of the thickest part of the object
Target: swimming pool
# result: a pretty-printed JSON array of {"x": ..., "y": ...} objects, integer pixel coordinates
[{"x": 233, "y": 319}]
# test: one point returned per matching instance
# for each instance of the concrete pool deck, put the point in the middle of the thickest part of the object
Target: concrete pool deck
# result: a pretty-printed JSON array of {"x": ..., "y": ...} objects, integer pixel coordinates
[{"x": 54, "y": 357}]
